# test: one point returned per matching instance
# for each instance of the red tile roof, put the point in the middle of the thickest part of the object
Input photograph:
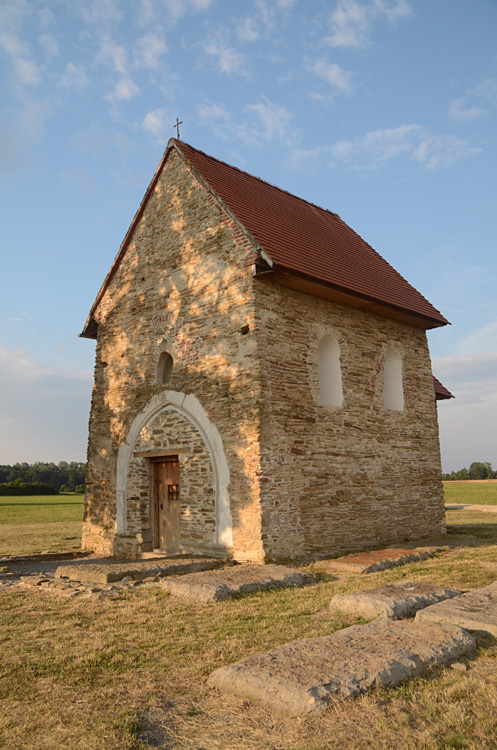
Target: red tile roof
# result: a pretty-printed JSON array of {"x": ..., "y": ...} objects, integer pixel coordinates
[
  {"x": 441, "y": 391},
  {"x": 311, "y": 248},
  {"x": 308, "y": 240}
]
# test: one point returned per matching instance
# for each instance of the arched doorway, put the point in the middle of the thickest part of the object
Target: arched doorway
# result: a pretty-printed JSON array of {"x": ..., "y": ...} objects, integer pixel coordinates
[{"x": 173, "y": 457}]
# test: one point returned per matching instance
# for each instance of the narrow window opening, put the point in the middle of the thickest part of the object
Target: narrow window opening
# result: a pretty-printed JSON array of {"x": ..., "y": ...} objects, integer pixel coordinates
[
  {"x": 164, "y": 369},
  {"x": 330, "y": 375},
  {"x": 393, "y": 387}
]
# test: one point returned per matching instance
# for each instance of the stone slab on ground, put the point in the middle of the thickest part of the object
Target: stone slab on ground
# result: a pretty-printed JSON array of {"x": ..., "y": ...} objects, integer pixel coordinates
[
  {"x": 300, "y": 678},
  {"x": 375, "y": 560},
  {"x": 111, "y": 572},
  {"x": 241, "y": 579},
  {"x": 396, "y": 601},
  {"x": 476, "y": 610}
]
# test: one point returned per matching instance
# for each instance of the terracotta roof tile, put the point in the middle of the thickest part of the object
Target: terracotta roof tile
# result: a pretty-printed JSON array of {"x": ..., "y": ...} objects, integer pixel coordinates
[
  {"x": 441, "y": 391},
  {"x": 303, "y": 238},
  {"x": 306, "y": 243}
]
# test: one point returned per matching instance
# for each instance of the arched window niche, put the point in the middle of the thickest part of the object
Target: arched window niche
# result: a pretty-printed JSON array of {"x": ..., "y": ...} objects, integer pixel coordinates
[
  {"x": 393, "y": 387},
  {"x": 330, "y": 374},
  {"x": 164, "y": 369}
]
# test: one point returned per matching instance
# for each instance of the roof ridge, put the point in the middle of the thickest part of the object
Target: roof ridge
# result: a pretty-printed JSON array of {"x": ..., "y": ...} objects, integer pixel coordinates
[{"x": 259, "y": 179}]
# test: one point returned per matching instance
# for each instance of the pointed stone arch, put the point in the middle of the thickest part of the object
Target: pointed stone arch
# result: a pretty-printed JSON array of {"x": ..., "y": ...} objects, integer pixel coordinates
[{"x": 189, "y": 407}]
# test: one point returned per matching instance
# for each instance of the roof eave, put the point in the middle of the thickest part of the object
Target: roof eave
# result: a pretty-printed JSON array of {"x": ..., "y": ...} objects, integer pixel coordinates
[{"x": 346, "y": 296}]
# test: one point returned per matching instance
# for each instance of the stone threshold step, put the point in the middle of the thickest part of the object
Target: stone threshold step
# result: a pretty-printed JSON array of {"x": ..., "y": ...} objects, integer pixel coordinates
[{"x": 137, "y": 571}]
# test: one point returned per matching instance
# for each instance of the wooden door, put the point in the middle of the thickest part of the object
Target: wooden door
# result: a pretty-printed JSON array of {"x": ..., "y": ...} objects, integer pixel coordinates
[{"x": 166, "y": 510}]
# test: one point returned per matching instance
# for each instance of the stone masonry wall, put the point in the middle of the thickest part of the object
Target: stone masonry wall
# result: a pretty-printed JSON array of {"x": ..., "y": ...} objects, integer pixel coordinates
[
  {"x": 342, "y": 478},
  {"x": 184, "y": 286}
]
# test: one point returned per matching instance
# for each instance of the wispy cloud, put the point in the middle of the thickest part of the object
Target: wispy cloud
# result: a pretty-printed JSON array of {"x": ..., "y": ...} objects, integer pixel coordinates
[
  {"x": 340, "y": 80},
  {"x": 149, "y": 50},
  {"x": 376, "y": 148},
  {"x": 476, "y": 102},
  {"x": 247, "y": 30},
  {"x": 274, "y": 120},
  {"x": 159, "y": 123},
  {"x": 461, "y": 112},
  {"x": 228, "y": 59},
  {"x": 265, "y": 121},
  {"x": 75, "y": 77},
  {"x": 351, "y": 23},
  {"x": 153, "y": 12}
]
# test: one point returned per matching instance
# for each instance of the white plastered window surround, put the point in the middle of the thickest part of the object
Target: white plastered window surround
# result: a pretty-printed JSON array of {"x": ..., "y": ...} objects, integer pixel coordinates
[
  {"x": 393, "y": 385},
  {"x": 330, "y": 373}
]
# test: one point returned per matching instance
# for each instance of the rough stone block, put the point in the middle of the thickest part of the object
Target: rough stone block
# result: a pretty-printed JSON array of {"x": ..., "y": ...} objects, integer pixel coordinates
[
  {"x": 299, "y": 678},
  {"x": 396, "y": 601},
  {"x": 476, "y": 610},
  {"x": 218, "y": 585},
  {"x": 376, "y": 560},
  {"x": 112, "y": 572}
]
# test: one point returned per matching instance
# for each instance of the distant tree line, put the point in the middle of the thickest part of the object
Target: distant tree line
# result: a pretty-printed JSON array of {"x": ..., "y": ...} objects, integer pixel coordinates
[
  {"x": 62, "y": 477},
  {"x": 477, "y": 470}
]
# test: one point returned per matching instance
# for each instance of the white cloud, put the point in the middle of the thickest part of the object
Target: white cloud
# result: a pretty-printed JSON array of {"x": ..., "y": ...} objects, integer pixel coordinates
[
  {"x": 43, "y": 410},
  {"x": 468, "y": 424},
  {"x": 149, "y": 51},
  {"x": 415, "y": 142},
  {"x": 352, "y": 21},
  {"x": 26, "y": 72},
  {"x": 247, "y": 30},
  {"x": 460, "y": 112},
  {"x": 228, "y": 59},
  {"x": 160, "y": 124},
  {"x": 339, "y": 79},
  {"x": 100, "y": 12},
  {"x": 113, "y": 55},
  {"x": 151, "y": 12},
  {"x": 270, "y": 122},
  {"x": 469, "y": 108},
  {"x": 487, "y": 90},
  {"x": 124, "y": 90},
  {"x": 274, "y": 119},
  {"x": 75, "y": 77},
  {"x": 49, "y": 44}
]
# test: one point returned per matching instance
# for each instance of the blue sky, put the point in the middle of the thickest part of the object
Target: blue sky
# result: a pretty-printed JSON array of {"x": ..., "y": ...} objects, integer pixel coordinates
[{"x": 384, "y": 111}]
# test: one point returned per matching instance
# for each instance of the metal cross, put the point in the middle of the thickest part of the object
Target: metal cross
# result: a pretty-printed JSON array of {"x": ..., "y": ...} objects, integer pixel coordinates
[{"x": 176, "y": 125}]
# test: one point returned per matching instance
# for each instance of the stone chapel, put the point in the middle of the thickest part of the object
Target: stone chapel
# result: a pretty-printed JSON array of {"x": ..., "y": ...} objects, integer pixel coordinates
[{"x": 263, "y": 385}]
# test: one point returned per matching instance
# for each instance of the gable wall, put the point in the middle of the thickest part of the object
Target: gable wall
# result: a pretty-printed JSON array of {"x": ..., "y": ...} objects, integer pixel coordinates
[
  {"x": 342, "y": 478},
  {"x": 185, "y": 286}
]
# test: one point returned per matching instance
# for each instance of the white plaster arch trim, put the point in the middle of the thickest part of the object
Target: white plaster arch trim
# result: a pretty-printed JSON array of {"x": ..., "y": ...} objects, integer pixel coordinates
[{"x": 191, "y": 408}]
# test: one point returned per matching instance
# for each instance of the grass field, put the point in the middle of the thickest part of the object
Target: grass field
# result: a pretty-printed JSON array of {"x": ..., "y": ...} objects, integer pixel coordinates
[
  {"x": 483, "y": 492},
  {"x": 40, "y": 523},
  {"x": 129, "y": 674}
]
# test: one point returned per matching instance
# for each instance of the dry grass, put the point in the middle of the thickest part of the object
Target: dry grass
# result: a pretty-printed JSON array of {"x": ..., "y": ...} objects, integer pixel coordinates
[
  {"x": 130, "y": 673},
  {"x": 33, "y": 524},
  {"x": 35, "y": 538}
]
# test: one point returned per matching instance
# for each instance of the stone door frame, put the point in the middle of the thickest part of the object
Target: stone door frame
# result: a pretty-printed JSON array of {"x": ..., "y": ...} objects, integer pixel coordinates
[{"x": 191, "y": 408}]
